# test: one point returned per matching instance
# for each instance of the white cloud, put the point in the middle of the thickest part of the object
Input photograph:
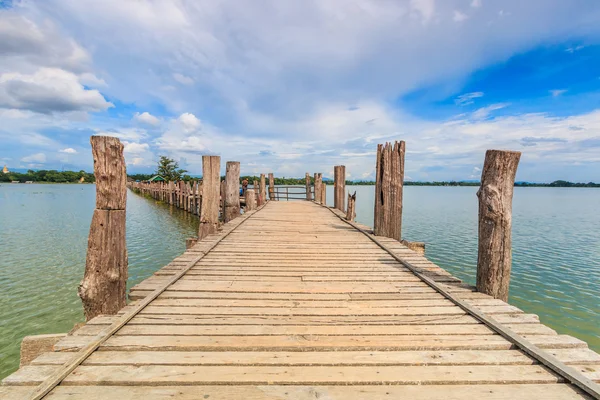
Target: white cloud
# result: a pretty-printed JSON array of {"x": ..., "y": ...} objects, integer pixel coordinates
[
  {"x": 459, "y": 16},
  {"x": 48, "y": 90},
  {"x": 185, "y": 80},
  {"x": 283, "y": 77},
  {"x": 134, "y": 134},
  {"x": 39, "y": 158},
  {"x": 135, "y": 148},
  {"x": 484, "y": 112},
  {"x": 68, "y": 150},
  {"x": 189, "y": 122},
  {"x": 91, "y": 80},
  {"x": 424, "y": 7},
  {"x": 558, "y": 92},
  {"x": 467, "y": 98},
  {"x": 574, "y": 49},
  {"x": 146, "y": 118}
]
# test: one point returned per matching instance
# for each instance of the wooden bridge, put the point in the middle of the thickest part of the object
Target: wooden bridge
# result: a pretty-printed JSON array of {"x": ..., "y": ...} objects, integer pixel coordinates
[{"x": 294, "y": 301}]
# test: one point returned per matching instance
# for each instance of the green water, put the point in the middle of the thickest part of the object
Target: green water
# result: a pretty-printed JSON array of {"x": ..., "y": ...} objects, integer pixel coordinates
[
  {"x": 44, "y": 228},
  {"x": 43, "y": 240},
  {"x": 556, "y": 246}
]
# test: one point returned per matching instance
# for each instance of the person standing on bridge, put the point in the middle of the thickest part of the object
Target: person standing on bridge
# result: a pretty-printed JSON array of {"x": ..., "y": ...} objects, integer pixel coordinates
[{"x": 244, "y": 187}]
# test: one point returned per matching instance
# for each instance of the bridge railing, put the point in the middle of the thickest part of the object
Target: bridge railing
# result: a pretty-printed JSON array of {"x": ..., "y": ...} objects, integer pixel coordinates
[{"x": 291, "y": 192}]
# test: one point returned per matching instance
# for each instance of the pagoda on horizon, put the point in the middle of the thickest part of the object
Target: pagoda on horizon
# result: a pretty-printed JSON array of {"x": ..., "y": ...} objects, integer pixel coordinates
[{"x": 5, "y": 170}]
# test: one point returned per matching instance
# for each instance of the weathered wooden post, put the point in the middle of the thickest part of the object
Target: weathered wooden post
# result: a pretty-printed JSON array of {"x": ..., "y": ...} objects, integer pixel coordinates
[
  {"x": 389, "y": 183},
  {"x": 263, "y": 190},
  {"x": 209, "y": 211},
  {"x": 339, "y": 186},
  {"x": 351, "y": 211},
  {"x": 232, "y": 191},
  {"x": 308, "y": 192},
  {"x": 323, "y": 193},
  {"x": 318, "y": 186},
  {"x": 250, "y": 200},
  {"x": 104, "y": 284},
  {"x": 494, "y": 257},
  {"x": 271, "y": 186}
]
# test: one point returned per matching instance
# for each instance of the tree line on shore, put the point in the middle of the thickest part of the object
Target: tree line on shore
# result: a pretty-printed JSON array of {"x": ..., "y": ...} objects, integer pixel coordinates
[
  {"x": 50, "y": 176},
  {"x": 53, "y": 176}
]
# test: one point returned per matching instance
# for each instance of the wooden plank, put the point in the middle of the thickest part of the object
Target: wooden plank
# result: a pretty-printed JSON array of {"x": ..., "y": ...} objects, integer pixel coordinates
[
  {"x": 421, "y": 357},
  {"x": 317, "y": 375},
  {"x": 316, "y": 342},
  {"x": 151, "y": 309},
  {"x": 271, "y": 320},
  {"x": 265, "y": 329},
  {"x": 286, "y": 392},
  {"x": 300, "y": 303},
  {"x": 461, "y": 357}
]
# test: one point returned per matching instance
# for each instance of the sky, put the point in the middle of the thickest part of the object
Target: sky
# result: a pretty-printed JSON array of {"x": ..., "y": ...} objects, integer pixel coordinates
[{"x": 302, "y": 85}]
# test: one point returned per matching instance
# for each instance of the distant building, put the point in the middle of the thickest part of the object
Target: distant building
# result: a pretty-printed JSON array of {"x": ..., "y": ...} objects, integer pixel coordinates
[
  {"x": 5, "y": 170},
  {"x": 156, "y": 178},
  {"x": 82, "y": 179}
]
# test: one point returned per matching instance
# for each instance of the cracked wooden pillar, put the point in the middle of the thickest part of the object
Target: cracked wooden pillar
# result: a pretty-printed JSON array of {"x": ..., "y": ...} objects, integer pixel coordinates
[
  {"x": 104, "y": 284},
  {"x": 250, "y": 200},
  {"x": 494, "y": 257},
  {"x": 389, "y": 182},
  {"x": 271, "y": 186},
  {"x": 209, "y": 210},
  {"x": 263, "y": 190},
  {"x": 318, "y": 187},
  {"x": 339, "y": 187},
  {"x": 308, "y": 191},
  {"x": 323, "y": 193},
  {"x": 351, "y": 211},
  {"x": 232, "y": 191}
]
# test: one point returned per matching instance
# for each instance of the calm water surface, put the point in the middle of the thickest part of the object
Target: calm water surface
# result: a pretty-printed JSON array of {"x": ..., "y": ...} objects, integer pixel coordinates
[
  {"x": 44, "y": 228},
  {"x": 43, "y": 241}
]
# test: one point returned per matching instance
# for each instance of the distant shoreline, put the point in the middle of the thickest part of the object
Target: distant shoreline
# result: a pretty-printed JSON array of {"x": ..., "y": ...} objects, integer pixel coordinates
[{"x": 52, "y": 176}]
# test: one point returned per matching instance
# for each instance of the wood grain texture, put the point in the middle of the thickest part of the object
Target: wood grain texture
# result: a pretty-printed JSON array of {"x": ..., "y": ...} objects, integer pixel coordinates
[
  {"x": 103, "y": 288},
  {"x": 388, "y": 190},
  {"x": 494, "y": 257},
  {"x": 250, "y": 197},
  {"x": 232, "y": 191},
  {"x": 110, "y": 173},
  {"x": 339, "y": 191},
  {"x": 209, "y": 212}
]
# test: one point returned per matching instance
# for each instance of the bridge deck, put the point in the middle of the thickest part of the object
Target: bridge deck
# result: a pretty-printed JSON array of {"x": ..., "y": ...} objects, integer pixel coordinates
[{"x": 291, "y": 302}]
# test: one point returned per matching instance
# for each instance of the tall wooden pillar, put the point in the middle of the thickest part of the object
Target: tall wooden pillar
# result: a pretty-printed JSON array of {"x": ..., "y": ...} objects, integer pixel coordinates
[
  {"x": 318, "y": 186},
  {"x": 323, "y": 193},
  {"x": 263, "y": 190},
  {"x": 308, "y": 192},
  {"x": 388, "y": 190},
  {"x": 339, "y": 182},
  {"x": 494, "y": 258},
  {"x": 104, "y": 284},
  {"x": 209, "y": 211},
  {"x": 232, "y": 191},
  {"x": 271, "y": 186}
]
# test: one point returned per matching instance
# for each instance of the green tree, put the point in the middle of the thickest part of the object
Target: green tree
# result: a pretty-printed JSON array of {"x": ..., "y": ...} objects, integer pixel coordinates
[{"x": 169, "y": 169}]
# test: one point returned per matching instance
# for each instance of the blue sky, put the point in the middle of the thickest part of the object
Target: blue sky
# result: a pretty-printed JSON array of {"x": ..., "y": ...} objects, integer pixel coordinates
[{"x": 300, "y": 86}]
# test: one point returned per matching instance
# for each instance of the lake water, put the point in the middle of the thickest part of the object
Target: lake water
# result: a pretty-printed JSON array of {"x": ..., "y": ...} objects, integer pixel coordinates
[
  {"x": 44, "y": 229},
  {"x": 43, "y": 242}
]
